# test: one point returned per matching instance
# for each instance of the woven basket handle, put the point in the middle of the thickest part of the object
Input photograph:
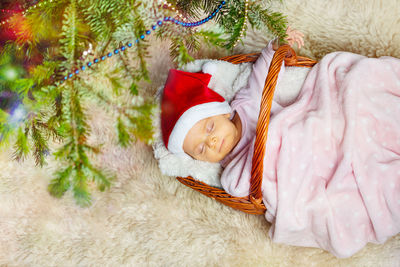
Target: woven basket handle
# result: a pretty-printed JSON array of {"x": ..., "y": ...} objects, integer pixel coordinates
[{"x": 286, "y": 53}]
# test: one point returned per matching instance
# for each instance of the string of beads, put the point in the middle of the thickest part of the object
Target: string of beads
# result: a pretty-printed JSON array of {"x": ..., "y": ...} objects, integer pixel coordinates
[{"x": 244, "y": 26}]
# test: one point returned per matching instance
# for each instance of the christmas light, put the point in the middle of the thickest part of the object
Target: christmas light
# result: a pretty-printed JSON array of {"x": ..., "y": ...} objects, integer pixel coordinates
[
  {"x": 17, "y": 114},
  {"x": 9, "y": 73}
]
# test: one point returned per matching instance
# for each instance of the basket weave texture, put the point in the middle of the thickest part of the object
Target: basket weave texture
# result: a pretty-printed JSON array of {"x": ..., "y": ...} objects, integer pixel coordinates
[{"x": 253, "y": 203}]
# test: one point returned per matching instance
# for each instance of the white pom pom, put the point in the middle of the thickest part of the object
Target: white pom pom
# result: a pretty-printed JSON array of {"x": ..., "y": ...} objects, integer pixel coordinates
[{"x": 210, "y": 68}]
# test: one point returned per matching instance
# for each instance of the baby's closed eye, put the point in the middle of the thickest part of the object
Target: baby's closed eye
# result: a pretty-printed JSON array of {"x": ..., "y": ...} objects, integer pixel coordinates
[
  {"x": 200, "y": 149},
  {"x": 210, "y": 126}
]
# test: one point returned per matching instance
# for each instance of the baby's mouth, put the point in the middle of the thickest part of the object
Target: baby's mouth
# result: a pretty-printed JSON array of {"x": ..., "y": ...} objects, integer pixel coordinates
[{"x": 220, "y": 148}]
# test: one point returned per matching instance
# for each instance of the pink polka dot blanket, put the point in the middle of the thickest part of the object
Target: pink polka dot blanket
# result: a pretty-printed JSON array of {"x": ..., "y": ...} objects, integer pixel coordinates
[{"x": 332, "y": 164}]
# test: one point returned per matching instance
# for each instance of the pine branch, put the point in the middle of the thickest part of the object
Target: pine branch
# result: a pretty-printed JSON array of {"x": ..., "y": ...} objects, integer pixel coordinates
[
  {"x": 141, "y": 47},
  {"x": 21, "y": 145},
  {"x": 141, "y": 124},
  {"x": 69, "y": 32},
  {"x": 233, "y": 22},
  {"x": 123, "y": 136},
  {"x": 133, "y": 88},
  {"x": 211, "y": 38},
  {"x": 75, "y": 152},
  {"x": 40, "y": 145},
  {"x": 80, "y": 188},
  {"x": 274, "y": 22},
  {"x": 6, "y": 129},
  {"x": 132, "y": 119},
  {"x": 61, "y": 183},
  {"x": 178, "y": 52},
  {"x": 116, "y": 82}
]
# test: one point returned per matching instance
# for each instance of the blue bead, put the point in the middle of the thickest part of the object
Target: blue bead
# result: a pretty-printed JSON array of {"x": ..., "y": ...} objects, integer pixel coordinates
[
  {"x": 153, "y": 27},
  {"x": 83, "y": 68},
  {"x": 141, "y": 36},
  {"x": 70, "y": 75},
  {"x": 123, "y": 48},
  {"x": 137, "y": 41},
  {"x": 103, "y": 58},
  {"x": 148, "y": 32},
  {"x": 109, "y": 54},
  {"x": 159, "y": 22},
  {"x": 61, "y": 81},
  {"x": 220, "y": 6},
  {"x": 77, "y": 71},
  {"x": 223, "y": 2},
  {"x": 116, "y": 51},
  {"x": 89, "y": 64},
  {"x": 130, "y": 45},
  {"x": 96, "y": 60},
  {"x": 213, "y": 14},
  {"x": 65, "y": 77}
]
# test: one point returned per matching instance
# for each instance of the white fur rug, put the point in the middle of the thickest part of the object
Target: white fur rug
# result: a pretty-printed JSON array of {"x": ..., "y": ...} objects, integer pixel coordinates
[{"x": 147, "y": 219}]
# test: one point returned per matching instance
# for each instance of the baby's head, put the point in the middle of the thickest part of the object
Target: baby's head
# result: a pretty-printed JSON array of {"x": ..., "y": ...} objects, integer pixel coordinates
[{"x": 194, "y": 119}]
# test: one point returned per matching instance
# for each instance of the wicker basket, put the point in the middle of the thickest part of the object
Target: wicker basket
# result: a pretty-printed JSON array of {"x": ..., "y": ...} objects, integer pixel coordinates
[{"x": 253, "y": 203}]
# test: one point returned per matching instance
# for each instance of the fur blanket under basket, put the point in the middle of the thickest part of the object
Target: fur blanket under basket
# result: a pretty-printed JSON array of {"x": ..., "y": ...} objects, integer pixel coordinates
[{"x": 150, "y": 219}]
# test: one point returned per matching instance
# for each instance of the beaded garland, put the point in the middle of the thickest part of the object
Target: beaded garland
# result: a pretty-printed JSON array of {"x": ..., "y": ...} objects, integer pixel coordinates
[{"x": 154, "y": 27}]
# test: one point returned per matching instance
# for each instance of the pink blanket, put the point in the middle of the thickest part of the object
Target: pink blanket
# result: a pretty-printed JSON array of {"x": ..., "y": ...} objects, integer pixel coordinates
[{"x": 332, "y": 165}]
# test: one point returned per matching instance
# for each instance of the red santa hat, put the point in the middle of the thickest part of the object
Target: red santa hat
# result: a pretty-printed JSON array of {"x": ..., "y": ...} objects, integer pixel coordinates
[{"x": 187, "y": 100}]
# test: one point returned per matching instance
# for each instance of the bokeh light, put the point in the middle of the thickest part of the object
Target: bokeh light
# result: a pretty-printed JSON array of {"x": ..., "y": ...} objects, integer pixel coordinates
[
  {"x": 18, "y": 114},
  {"x": 9, "y": 73}
]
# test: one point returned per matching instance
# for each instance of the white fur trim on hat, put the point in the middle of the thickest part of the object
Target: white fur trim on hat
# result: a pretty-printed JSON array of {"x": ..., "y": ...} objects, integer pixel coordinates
[{"x": 189, "y": 118}]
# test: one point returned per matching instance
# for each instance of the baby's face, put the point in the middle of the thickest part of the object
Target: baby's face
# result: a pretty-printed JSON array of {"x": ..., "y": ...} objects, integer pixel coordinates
[{"x": 211, "y": 139}]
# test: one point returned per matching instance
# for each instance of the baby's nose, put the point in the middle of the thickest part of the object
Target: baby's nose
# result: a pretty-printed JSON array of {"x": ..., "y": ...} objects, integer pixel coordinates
[{"x": 212, "y": 141}]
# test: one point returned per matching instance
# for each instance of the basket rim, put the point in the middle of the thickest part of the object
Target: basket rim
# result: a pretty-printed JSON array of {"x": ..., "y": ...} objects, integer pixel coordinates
[{"x": 252, "y": 203}]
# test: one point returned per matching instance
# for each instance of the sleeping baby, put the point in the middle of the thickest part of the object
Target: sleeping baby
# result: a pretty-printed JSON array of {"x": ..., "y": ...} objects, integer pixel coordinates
[{"x": 332, "y": 164}]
